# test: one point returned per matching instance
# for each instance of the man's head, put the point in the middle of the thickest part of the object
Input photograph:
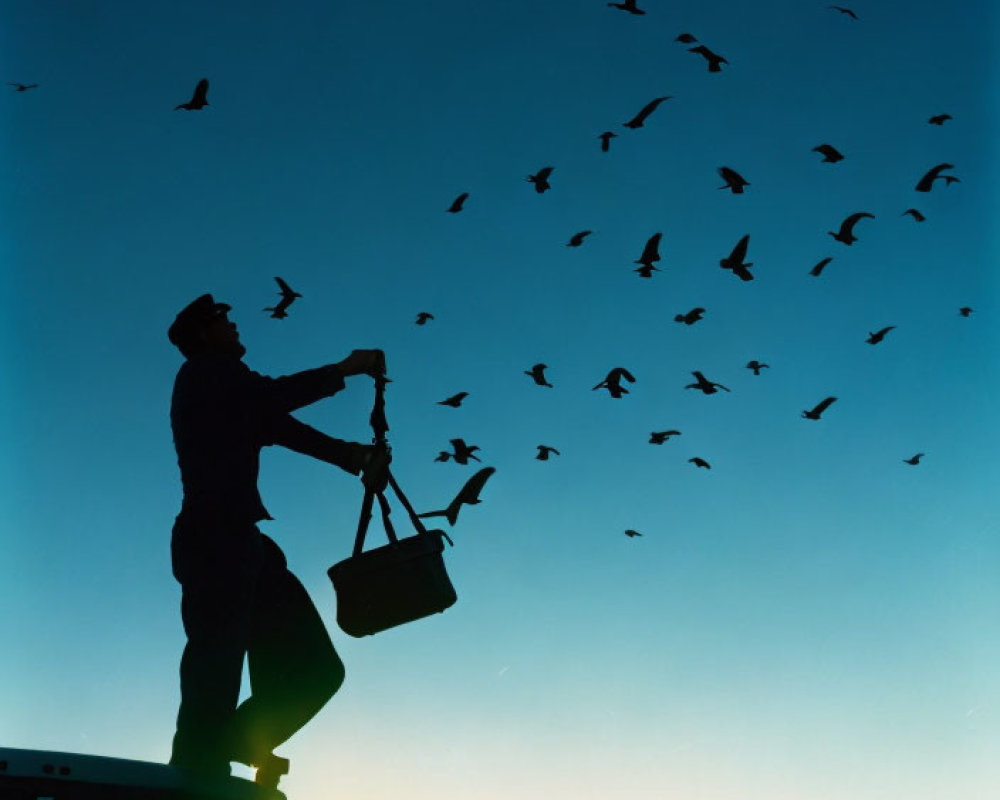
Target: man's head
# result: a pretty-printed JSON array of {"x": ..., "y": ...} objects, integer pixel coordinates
[{"x": 203, "y": 326}]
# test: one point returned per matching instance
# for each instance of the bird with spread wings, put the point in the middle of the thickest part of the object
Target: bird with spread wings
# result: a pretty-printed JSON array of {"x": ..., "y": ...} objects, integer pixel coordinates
[{"x": 467, "y": 495}]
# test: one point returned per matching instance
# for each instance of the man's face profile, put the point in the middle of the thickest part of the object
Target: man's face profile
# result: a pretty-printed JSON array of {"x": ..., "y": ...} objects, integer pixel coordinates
[{"x": 221, "y": 335}]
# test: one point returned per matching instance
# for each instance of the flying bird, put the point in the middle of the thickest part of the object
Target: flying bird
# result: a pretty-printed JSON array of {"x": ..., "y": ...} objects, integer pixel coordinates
[
  {"x": 467, "y": 495},
  {"x": 456, "y": 204},
  {"x": 629, "y": 6},
  {"x": 914, "y": 459},
  {"x": 541, "y": 179},
  {"x": 819, "y": 408},
  {"x": 831, "y": 155},
  {"x": 846, "y": 232},
  {"x": 640, "y": 118},
  {"x": 815, "y": 271},
  {"x": 939, "y": 119},
  {"x": 965, "y": 311},
  {"x": 659, "y": 437},
  {"x": 715, "y": 61},
  {"x": 733, "y": 180},
  {"x": 606, "y": 138},
  {"x": 22, "y": 87},
  {"x": 691, "y": 317},
  {"x": 756, "y": 366},
  {"x": 544, "y": 451},
  {"x": 843, "y": 10},
  {"x": 613, "y": 382},
  {"x": 650, "y": 255},
  {"x": 280, "y": 311},
  {"x": 444, "y": 455},
  {"x": 651, "y": 252},
  {"x": 686, "y": 38},
  {"x": 199, "y": 99},
  {"x": 463, "y": 452},
  {"x": 915, "y": 214},
  {"x": 286, "y": 291},
  {"x": 454, "y": 401},
  {"x": 878, "y": 336},
  {"x": 577, "y": 239},
  {"x": 700, "y": 462},
  {"x": 423, "y": 316},
  {"x": 703, "y": 384},
  {"x": 926, "y": 183},
  {"x": 734, "y": 261},
  {"x": 537, "y": 374},
  {"x": 631, "y": 534}
]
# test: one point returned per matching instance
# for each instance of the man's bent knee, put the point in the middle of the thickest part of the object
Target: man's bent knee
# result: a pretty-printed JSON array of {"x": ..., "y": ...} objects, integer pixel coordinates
[{"x": 333, "y": 678}]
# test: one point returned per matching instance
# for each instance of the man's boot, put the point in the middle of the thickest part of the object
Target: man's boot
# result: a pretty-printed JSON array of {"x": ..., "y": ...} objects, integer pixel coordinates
[{"x": 271, "y": 769}]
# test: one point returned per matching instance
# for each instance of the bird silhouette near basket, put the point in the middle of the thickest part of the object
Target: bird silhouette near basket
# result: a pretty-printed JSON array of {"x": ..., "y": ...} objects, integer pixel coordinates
[{"x": 402, "y": 580}]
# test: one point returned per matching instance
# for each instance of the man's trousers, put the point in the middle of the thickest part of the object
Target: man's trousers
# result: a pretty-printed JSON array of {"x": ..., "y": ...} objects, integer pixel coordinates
[{"x": 239, "y": 600}]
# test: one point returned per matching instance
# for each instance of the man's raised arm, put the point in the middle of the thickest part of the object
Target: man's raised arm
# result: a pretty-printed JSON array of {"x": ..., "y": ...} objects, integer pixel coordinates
[
  {"x": 299, "y": 389},
  {"x": 296, "y": 435}
]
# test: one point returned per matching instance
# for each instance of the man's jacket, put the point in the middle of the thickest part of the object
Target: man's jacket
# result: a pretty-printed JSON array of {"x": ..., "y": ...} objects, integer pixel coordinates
[{"x": 222, "y": 413}]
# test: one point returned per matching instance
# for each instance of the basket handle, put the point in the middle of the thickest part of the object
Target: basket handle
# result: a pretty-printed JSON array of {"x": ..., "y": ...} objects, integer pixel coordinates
[
  {"x": 380, "y": 427},
  {"x": 383, "y": 502},
  {"x": 414, "y": 518}
]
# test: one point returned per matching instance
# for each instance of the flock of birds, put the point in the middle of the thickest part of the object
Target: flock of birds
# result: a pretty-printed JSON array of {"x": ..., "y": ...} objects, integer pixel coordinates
[{"x": 735, "y": 262}]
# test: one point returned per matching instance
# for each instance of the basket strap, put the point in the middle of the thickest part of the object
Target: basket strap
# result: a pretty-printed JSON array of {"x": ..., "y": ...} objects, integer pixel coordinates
[
  {"x": 417, "y": 522},
  {"x": 365, "y": 518},
  {"x": 379, "y": 427},
  {"x": 383, "y": 504}
]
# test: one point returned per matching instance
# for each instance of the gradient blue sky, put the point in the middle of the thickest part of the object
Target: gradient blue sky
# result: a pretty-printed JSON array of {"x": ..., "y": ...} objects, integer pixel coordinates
[{"x": 812, "y": 619}]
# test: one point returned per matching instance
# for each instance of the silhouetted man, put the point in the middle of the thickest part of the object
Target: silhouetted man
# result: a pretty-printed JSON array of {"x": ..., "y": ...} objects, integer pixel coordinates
[{"x": 238, "y": 597}]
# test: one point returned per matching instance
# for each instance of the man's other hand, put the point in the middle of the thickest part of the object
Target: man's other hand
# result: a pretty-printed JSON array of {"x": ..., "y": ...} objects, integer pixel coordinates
[
  {"x": 363, "y": 362},
  {"x": 375, "y": 472}
]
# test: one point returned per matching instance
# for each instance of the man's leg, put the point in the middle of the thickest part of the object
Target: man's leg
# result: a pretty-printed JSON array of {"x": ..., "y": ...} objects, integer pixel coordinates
[
  {"x": 211, "y": 670},
  {"x": 294, "y": 668},
  {"x": 218, "y": 573}
]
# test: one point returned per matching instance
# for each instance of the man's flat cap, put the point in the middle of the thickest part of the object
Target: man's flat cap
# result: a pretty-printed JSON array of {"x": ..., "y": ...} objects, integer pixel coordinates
[{"x": 193, "y": 317}]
